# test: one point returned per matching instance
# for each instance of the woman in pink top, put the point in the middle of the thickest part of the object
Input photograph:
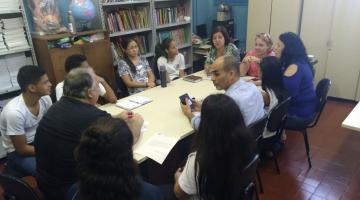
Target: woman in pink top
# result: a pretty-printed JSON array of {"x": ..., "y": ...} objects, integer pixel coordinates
[{"x": 250, "y": 63}]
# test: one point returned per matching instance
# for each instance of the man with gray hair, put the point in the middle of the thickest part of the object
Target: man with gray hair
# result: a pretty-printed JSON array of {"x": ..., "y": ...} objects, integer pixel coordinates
[
  {"x": 225, "y": 75},
  {"x": 60, "y": 129}
]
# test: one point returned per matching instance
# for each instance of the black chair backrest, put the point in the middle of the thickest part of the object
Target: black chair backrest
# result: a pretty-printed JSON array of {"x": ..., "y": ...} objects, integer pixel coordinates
[
  {"x": 248, "y": 178},
  {"x": 122, "y": 89},
  {"x": 16, "y": 189},
  {"x": 154, "y": 67},
  {"x": 257, "y": 128},
  {"x": 322, "y": 90},
  {"x": 277, "y": 116}
]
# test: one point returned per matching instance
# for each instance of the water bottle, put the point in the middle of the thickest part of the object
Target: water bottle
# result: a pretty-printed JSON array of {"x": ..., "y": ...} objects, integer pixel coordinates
[
  {"x": 163, "y": 76},
  {"x": 71, "y": 23}
]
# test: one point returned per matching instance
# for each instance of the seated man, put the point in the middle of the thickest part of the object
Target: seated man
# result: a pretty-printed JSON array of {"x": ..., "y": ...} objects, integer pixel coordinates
[
  {"x": 59, "y": 132},
  {"x": 76, "y": 61},
  {"x": 21, "y": 116},
  {"x": 225, "y": 75}
]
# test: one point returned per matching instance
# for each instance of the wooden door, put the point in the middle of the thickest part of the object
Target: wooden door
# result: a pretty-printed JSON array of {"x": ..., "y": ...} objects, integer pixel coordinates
[
  {"x": 315, "y": 31},
  {"x": 343, "y": 66},
  {"x": 285, "y": 17},
  {"x": 258, "y": 20}
]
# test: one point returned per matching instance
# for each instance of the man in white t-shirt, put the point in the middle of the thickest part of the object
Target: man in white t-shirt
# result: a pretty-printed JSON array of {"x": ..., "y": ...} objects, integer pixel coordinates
[
  {"x": 21, "y": 116},
  {"x": 76, "y": 61}
]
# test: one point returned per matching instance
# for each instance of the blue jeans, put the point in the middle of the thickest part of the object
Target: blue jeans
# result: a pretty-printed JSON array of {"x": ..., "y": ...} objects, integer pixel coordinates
[
  {"x": 294, "y": 122},
  {"x": 26, "y": 165}
]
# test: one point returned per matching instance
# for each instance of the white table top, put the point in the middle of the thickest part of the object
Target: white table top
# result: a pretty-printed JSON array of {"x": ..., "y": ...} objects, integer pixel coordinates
[
  {"x": 164, "y": 113},
  {"x": 352, "y": 121}
]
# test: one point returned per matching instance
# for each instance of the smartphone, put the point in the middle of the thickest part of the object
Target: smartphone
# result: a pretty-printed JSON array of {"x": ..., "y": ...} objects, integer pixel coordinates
[{"x": 185, "y": 98}]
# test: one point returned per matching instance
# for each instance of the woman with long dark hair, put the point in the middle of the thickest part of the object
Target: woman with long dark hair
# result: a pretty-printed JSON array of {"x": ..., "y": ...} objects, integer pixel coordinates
[
  {"x": 224, "y": 147},
  {"x": 297, "y": 78},
  {"x": 134, "y": 69},
  {"x": 274, "y": 91},
  {"x": 106, "y": 168}
]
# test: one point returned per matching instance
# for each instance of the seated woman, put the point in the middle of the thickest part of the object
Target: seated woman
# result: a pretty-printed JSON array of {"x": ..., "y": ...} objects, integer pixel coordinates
[
  {"x": 224, "y": 146},
  {"x": 172, "y": 60},
  {"x": 298, "y": 80},
  {"x": 134, "y": 70},
  {"x": 250, "y": 63},
  {"x": 220, "y": 46},
  {"x": 274, "y": 90},
  {"x": 107, "y": 170}
]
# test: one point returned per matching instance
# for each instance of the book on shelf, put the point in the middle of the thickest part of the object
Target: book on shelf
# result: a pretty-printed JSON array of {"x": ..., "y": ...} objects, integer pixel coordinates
[
  {"x": 127, "y": 19},
  {"x": 179, "y": 35},
  {"x": 133, "y": 102},
  {"x": 170, "y": 15}
]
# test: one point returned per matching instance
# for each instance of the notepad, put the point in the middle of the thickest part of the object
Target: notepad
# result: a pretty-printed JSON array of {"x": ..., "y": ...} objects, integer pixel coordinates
[
  {"x": 133, "y": 102},
  {"x": 157, "y": 147}
]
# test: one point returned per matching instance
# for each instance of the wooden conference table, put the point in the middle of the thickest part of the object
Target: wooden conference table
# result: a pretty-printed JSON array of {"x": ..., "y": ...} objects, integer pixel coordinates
[
  {"x": 164, "y": 114},
  {"x": 352, "y": 121}
]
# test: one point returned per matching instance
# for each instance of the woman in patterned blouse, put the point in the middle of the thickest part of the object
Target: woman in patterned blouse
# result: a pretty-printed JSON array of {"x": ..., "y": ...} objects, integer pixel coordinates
[
  {"x": 135, "y": 70},
  {"x": 220, "y": 46}
]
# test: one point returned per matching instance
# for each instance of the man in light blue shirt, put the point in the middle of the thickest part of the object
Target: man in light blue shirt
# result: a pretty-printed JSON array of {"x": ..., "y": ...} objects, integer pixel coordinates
[{"x": 225, "y": 75}]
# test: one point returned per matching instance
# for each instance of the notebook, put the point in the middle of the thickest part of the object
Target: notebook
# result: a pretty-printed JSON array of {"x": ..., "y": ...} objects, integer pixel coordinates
[
  {"x": 133, "y": 102},
  {"x": 192, "y": 78}
]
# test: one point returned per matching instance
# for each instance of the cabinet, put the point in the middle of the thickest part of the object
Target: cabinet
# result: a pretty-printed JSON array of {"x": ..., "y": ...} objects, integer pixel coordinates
[
  {"x": 274, "y": 17},
  {"x": 98, "y": 55},
  {"x": 149, "y": 21},
  {"x": 15, "y": 45},
  {"x": 335, "y": 45}
]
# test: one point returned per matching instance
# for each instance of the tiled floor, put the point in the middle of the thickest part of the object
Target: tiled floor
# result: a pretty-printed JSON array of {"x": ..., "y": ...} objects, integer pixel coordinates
[{"x": 335, "y": 153}]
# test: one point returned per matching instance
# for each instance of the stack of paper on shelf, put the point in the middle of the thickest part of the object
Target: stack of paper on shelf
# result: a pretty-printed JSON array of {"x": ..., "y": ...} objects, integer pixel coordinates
[
  {"x": 2, "y": 43},
  {"x": 9, "y": 5},
  {"x": 14, "y": 33},
  {"x": 14, "y": 62},
  {"x": 5, "y": 82}
]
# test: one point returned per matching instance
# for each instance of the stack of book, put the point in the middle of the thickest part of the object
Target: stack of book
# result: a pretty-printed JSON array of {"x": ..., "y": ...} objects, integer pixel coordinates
[
  {"x": 170, "y": 15},
  {"x": 14, "y": 34},
  {"x": 127, "y": 19},
  {"x": 9, "y": 67},
  {"x": 9, "y": 5},
  {"x": 177, "y": 34}
]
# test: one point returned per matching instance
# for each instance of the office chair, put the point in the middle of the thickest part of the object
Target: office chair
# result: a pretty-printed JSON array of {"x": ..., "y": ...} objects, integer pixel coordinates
[
  {"x": 257, "y": 128},
  {"x": 16, "y": 189},
  {"x": 322, "y": 90},
  {"x": 275, "y": 123}
]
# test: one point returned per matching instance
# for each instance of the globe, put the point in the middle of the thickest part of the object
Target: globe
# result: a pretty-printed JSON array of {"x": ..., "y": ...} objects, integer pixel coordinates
[{"x": 83, "y": 10}]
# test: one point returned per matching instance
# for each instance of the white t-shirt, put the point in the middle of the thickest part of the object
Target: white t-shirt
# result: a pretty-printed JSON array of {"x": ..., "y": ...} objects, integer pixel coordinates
[
  {"x": 59, "y": 90},
  {"x": 172, "y": 67},
  {"x": 187, "y": 178},
  {"x": 16, "y": 119}
]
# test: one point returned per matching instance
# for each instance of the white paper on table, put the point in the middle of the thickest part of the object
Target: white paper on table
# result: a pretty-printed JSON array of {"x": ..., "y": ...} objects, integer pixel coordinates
[
  {"x": 140, "y": 100},
  {"x": 127, "y": 105},
  {"x": 157, "y": 147}
]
